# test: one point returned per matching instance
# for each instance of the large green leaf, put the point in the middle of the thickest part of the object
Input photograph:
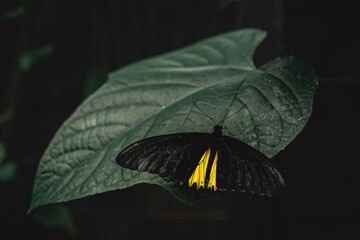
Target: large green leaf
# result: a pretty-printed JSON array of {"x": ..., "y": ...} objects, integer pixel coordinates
[{"x": 153, "y": 97}]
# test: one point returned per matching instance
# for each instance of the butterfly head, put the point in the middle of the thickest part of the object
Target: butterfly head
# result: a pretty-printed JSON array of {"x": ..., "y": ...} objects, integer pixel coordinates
[{"x": 217, "y": 130}]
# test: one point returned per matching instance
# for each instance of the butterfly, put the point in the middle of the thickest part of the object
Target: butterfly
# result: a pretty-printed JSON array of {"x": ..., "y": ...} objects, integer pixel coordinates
[{"x": 204, "y": 161}]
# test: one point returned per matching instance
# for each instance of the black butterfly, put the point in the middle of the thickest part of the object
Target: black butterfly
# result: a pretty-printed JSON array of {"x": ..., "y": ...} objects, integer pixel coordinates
[{"x": 204, "y": 161}]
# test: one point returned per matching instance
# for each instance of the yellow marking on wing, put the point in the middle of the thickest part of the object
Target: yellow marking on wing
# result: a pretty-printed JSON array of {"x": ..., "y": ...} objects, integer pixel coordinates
[
  {"x": 199, "y": 174},
  {"x": 212, "y": 180}
]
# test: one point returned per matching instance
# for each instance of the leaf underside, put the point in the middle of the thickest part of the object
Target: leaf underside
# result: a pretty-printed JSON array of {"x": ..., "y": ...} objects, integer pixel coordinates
[{"x": 153, "y": 97}]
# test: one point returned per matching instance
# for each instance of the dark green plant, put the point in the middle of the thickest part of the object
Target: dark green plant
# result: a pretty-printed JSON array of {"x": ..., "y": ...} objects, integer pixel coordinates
[
  {"x": 18, "y": 12},
  {"x": 29, "y": 59},
  {"x": 153, "y": 97}
]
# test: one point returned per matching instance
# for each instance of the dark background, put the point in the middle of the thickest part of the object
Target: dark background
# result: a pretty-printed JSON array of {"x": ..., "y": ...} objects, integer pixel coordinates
[{"x": 55, "y": 53}]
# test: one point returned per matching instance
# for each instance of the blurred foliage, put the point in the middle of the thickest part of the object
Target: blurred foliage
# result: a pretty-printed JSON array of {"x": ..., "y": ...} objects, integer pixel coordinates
[
  {"x": 5, "y": 116},
  {"x": 2, "y": 152},
  {"x": 15, "y": 186},
  {"x": 57, "y": 216},
  {"x": 94, "y": 80},
  {"x": 18, "y": 12},
  {"x": 29, "y": 59},
  {"x": 11, "y": 177},
  {"x": 7, "y": 171},
  {"x": 224, "y": 3}
]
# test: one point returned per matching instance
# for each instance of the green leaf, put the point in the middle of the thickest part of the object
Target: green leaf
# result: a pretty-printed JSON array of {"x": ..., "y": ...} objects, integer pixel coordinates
[
  {"x": 29, "y": 59},
  {"x": 6, "y": 115},
  {"x": 153, "y": 97},
  {"x": 18, "y": 12},
  {"x": 2, "y": 152},
  {"x": 7, "y": 171},
  {"x": 55, "y": 216}
]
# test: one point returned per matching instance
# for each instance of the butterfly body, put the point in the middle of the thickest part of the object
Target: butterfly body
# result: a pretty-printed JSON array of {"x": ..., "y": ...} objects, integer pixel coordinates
[{"x": 211, "y": 161}]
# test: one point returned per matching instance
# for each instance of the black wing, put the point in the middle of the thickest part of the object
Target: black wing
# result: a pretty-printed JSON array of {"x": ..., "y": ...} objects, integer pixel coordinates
[
  {"x": 174, "y": 156},
  {"x": 241, "y": 167}
]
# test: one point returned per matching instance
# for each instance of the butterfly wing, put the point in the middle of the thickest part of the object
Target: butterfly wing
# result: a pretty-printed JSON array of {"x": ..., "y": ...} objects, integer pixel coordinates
[
  {"x": 241, "y": 167},
  {"x": 174, "y": 156}
]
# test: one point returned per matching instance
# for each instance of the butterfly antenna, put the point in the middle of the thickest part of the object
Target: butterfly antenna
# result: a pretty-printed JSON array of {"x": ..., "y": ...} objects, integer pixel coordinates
[
  {"x": 232, "y": 114},
  {"x": 204, "y": 113}
]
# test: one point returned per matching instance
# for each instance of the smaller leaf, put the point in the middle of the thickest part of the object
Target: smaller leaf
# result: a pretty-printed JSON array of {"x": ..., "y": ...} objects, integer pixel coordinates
[
  {"x": 7, "y": 171},
  {"x": 29, "y": 59},
  {"x": 2, "y": 152},
  {"x": 18, "y": 12},
  {"x": 94, "y": 80},
  {"x": 55, "y": 216},
  {"x": 5, "y": 116}
]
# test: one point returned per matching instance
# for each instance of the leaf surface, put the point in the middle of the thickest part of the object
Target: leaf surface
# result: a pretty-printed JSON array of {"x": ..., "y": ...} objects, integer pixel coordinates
[{"x": 153, "y": 97}]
